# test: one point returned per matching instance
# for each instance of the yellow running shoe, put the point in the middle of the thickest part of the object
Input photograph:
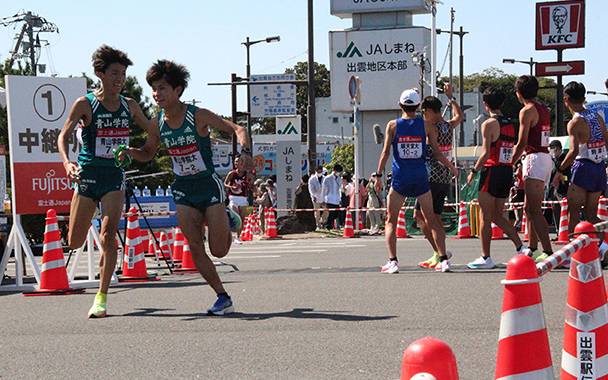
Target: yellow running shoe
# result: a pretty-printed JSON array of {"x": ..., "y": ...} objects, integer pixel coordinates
[
  {"x": 434, "y": 260},
  {"x": 541, "y": 257},
  {"x": 98, "y": 310}
]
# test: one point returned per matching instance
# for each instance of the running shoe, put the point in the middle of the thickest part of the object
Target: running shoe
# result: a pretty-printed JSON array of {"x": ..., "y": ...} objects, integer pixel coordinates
[
  {"x": 541, "y": 257},
  {"x": 536, "y": 254},
  {"x": 524, "y": 250},
  {"x": 391, "y": 267},
  {"x": 222, "y": 306},
  {"x": 234, "y": 219},
  {"x": 603, "y": 249},
  {"x": 238, "y": 241},
  {"x": 98, "y": 310},
  {"x": 434, "y": 260},
  {"x": 443, "y": 266},
  {"x": 434, "y": 265},
  {"x": 481, "y": 263},
  {"x": 565, "y": 264}
]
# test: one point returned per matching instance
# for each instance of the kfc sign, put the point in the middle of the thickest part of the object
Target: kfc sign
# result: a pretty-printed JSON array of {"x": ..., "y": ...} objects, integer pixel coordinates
[{"x": 560, "y": 25}]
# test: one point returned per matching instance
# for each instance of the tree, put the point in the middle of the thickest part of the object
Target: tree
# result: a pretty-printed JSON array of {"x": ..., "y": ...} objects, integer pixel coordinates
[
  {"x": 345, "y": 156},
  {"x": 322, "y": 90}
]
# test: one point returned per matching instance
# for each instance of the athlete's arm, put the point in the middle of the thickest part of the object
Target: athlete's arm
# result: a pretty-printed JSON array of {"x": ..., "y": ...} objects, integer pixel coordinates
[
  {"x": 205, "y": 118},
  {"x": 458, "y": 114},
  {"x": 528, "y": 116},
  {"x": 487, "y": 129},
  {"x": 431, "y": 139},
  {"x": 389, "y": 135},
  {"x": 146, "y": 152},
  {"x": 574, "y": 127},
  {"x": 81, "y": 110}
]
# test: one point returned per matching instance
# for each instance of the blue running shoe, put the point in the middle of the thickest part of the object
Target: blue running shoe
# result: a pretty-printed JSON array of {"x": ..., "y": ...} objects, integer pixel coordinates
[
  {"x": 222, "y": 306},
  {"x": 234, "y": 219}
]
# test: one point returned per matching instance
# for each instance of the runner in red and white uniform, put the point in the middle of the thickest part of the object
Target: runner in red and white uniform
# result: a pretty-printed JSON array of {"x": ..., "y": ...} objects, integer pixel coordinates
[{"x": 237, "y": 182}]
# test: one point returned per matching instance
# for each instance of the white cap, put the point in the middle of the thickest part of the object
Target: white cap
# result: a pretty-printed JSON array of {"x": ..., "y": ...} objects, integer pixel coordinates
[{"x": 409, "y": 98}]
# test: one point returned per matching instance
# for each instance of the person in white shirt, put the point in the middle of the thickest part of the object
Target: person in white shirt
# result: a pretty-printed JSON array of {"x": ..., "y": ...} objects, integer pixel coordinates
[
  {"x": 330, "y": 193},
  {"x": 314, "y": 187}
]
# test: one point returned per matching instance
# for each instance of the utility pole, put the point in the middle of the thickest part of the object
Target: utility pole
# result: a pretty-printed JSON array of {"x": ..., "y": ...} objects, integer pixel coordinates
[{"x": 311, "y": 113}]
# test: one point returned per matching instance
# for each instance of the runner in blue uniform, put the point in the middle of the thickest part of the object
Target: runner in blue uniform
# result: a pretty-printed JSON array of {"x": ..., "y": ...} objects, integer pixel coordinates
[
  {"x": 105, "y": 116},
  {"x": 407, "y": 138},
  {"x": 588, "y": 138},
  {"x": 198, "y": 191}
]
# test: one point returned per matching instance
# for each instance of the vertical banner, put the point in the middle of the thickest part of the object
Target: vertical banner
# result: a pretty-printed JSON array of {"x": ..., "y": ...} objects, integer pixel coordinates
[
  {"x": 2, "y": 172},
  {"x": 37, "y": 110},
  {"x": 289, "y": 156}
]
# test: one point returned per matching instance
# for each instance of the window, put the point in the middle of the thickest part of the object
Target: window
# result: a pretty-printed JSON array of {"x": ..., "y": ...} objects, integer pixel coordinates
[{"x": 335, "y": 120}]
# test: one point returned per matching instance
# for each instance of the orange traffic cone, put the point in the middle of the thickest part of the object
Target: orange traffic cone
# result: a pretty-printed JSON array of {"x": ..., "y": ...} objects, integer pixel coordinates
[
  {"x": 523, "y": 345},
  {"x": 134, "y": 268},
  {"x": 54, "y": 277},
  {"x": 349, "y": 231},
  {"x": 187, "y": 263},
  {"x": 246, "y": 234},
  {"x": 497, "y": 233},
  {"x": 165, "y": 246},
  {"x": 256, "y": 224},
  {"x": 178, "y": 245},
  {"x": 464, "y": 231},
  {"x": 524, "y": 224},
  {"x": 431, "y": 357},
  {"x": 151, "y": 245},
  {"x": 401, "y": 231},
  {"x": 585, "y": 351},
  {"x": 144, "y": 237},
  {"x": 359, "y": 222},
  {"x": 271, "y": 230},
  {"x": 602, "y": 211},
  {"x": 562, "y": 237}
]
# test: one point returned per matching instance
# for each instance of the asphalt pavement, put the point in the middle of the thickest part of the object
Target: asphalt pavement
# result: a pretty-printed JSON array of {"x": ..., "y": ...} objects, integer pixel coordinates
[{"x": 305, "y": 309}]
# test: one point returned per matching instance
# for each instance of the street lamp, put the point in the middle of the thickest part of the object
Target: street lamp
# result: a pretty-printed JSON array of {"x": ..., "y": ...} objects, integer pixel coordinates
[
  {"x": 597, "y": 93},
  {"x": 531, "y": 62},
  {"x": 247, "y": 44}
]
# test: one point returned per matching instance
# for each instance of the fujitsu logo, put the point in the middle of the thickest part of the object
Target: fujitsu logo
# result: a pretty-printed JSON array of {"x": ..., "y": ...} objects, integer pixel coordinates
[{"x": 50, "y": 183}]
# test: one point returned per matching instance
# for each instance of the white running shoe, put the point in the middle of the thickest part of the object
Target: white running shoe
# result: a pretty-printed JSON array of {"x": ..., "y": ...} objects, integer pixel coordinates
[
  {"x": 481, "y": 263},
  {"x": 524, "y": 250},
  {"x": 391, "y": 267},
  {"x": 603, "y": 249},
  {"x": 443, "y": 266},
  {"x": 238, "y": 241}
]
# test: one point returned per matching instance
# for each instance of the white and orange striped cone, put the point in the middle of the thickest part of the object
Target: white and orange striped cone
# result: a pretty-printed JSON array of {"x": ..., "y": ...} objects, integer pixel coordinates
[
  {"x": 464, "y": 230},
  {"x": 562, "y": 236},
  {"x": 401, "y": 230},
  {"x": 187, "y": 262},
  {"x": 523, "y": 345},
  {"x": 497, "y": 233},
  {"x": 246, "y": 234},
  {"x": 271, "y": 230},
  {"x": 178, "y": 245},
  {"x": 431, "y": 357},
  {"x": 524, "y": 224},
  {"x": 53, "y": 277},
  {"x": 526, "y": 236},
  {"x": 144, "y": 237},
  {"x": 585, "y": 351},
  {"x": 152, "y": 245},
  {"x": 349, "y": 231},
  {"x": 256, "y": 224},
  {"x": 134, "y": 268},
  {"x": 165, "y": 247},
  {"x": 359, "y": 222},
  {"x": 602, "y": 210}
]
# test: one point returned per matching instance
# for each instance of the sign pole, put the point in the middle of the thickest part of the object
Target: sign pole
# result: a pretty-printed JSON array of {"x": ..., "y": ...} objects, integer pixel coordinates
[{"x": 559, "y": 102}]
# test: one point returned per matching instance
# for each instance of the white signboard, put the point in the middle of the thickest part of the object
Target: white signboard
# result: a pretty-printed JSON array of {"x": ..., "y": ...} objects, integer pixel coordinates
[
  {"x": 222, "y": 160},
  {"x": 269, "y": 100},
  {"x": 382, "y": 59},
  {"x": 289, "y": 173},
  {"x": 345, "y": 8},
  {"x": 37, "y": 110},
  {"x": 289, "y": 128}
]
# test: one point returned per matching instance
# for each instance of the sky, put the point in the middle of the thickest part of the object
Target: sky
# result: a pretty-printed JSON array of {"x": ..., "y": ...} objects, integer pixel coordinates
[{"x": 206, "y": 36}]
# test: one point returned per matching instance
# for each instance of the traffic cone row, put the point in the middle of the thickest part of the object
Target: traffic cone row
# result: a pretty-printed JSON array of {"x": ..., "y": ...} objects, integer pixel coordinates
[
  {"x": 53, "y": 277},
  {"x": 187, "y": 262},
  {"x": 134, "y": 268},
  {"x": 464, "y": 230},
  {"x": 523, "y": 346},
  {"x": 271, "y": 225},
  {"x": 349, "y": 231},
  {"x": 562, "y": 236},
  {"x": 246, "y": 234},
  {"x": 401, "y": 230},
  {"x": 585, "y": 350},
  {"x": 178, "y": 245}
]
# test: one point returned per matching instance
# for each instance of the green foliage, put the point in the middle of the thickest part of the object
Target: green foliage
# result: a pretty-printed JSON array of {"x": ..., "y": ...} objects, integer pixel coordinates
[
  {"x": 345, "y": 156},
  {"x": 322, "y": 90}
]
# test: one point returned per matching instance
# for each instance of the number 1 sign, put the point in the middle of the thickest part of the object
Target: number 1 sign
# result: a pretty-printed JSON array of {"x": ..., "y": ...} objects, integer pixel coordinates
[{"x": 37, "y": 110}]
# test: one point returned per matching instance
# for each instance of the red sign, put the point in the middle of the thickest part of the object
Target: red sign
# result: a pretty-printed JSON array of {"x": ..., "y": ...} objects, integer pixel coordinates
[
  {"x": 552, "y": 69},
  {"x": 41, "y": 186},
  {"x": 560, "y": 25}
]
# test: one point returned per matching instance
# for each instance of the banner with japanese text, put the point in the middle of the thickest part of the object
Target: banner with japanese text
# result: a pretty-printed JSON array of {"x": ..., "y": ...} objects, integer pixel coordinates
[{"x": 37, "y": 110}]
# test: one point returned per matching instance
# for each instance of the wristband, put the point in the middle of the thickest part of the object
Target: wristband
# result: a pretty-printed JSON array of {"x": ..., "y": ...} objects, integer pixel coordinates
[
  {"x": 559, "y": 170},
  {"x": 126, "y": 162},
  {"x": 246, "y": 150},
  {"x": 379, "y": 175},
  {"x": 474, "y": 171}
]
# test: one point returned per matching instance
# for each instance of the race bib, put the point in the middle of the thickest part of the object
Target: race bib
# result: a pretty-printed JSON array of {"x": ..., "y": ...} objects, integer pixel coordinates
[
  {"x": 410, "y": 147},
  {"x": 108, "y": 139},
  {"x": 597, "y": 151},
  {"x": 545, "y": 135},
  {"x": 505, "y": 152},
  {"x": 446, "y": 150},
  {"x": 187, "y": 160}
]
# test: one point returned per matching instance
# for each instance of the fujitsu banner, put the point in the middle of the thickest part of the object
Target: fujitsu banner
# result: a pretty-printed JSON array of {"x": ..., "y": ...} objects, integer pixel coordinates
[
  {"x": 37, "y": 110},
  {"x": 382, "y": 59},
  {"x": 560, "y": 25}
]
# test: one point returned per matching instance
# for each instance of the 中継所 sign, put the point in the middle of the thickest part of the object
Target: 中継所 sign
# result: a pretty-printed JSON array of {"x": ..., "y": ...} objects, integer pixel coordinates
[
  {"x": 560, "y": 25},
  {"x": 37, "y": 110},
  {"x": 382, "y": 59}
]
